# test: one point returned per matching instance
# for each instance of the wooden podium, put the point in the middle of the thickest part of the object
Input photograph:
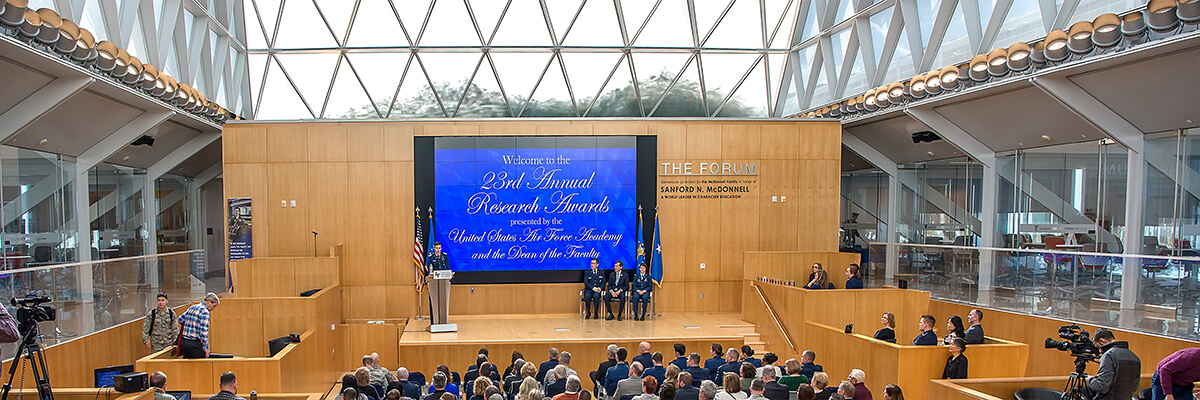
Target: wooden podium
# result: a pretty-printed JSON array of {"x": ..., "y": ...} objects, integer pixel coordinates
[{"x": 439, "y": 301}]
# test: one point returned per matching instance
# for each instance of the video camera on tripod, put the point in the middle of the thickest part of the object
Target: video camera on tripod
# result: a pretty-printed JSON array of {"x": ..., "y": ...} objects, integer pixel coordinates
[
  {"x": 1079, "y": 343},
  {"x": 30, "y": 312}
]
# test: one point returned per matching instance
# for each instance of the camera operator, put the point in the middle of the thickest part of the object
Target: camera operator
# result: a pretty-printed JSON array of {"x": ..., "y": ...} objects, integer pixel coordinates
[
  {"x": 8, "y": 327},
  {"x": 1120, "y": 369}
]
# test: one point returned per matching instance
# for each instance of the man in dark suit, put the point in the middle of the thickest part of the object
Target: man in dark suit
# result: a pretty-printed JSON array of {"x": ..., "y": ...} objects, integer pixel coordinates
[
  {"x": 473, "y": 371},
  {"x": 618, "y": 372},
  {"x": 927, "y": 336},
  {"x": 680, "y": 356},
  {"x": 657, "y": 371},
  {"x": 808, "y": 365},
  {"x": 438, "y": 261},
  {"x": 773, "y": 390},
  {"x": 731, "y": 364},
  {"x": 560, "y": 381},
  {"x": 714, "y": 363},
  {"x": 598, "y": 375},
  {"x": 618, "y": 288},
  {"x": 438, "y": 383},
  {"x": 974, "y": 334},
  {"x": 698, "y": 373},
  {"x": 748, "y": 356},
  {"x": 408, "y": 389},
  {"x": 686, "y": 391},
  {"x": 593, "y": 289},
  {"x": 644, "y": 355},
  {"x": 548, "y": 365}
]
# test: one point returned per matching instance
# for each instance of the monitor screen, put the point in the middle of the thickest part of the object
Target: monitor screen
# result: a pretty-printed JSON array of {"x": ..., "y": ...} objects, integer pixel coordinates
[
  {"x": 181, "y": 394},
  {"x": 104, "y": 376}
]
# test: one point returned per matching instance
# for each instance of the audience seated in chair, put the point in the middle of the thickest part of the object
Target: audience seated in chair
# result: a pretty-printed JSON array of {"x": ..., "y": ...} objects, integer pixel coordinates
[
  {"x": 805, "y": 392},
  {"x": 667, "y": 390},
  {"x": 670, "y": 378},
  {"x": 757, "y": 387},
  {"x": 820, "y": 384},
  {"x": 656, "y": 371},
  {"x": 617, "y": 372},
  {"x": 598, "y": 375},
  {"x": 644, "y": 355},
  {"x": 927, "y": 336},
  {"x": 511, "y": 368},
  {"x": 794, "y": 377},
  {"x": 888, "y": 332},
  {"x": 473, "y": 371},
  {"x": 892, "y": 392},
  {"x": 564, "y": 359},
  {"x": 974, "y": 334},
  {"x": 379, "y": 375},
  {"x": 402, "y": 384},
  {"x": 686, "y": 390},
  {"x": 773, "y": 390},
  {"x": 363, "y": 377},
  {"x": 573, "y": 388},
  {"x": 748, "y": 356},
  {"x": 521, "y": 370},
  {"x": 632, "y": 385},
  {"x": 717, "y": 360},
  {"x": 708, "y": 390},
  {"x": 559, "y": 385},
  {"x": 732, "y": 386},
  {"x": 821, "y": 281},
  {"x": 768, "y": 361},
  {"x": 680, "y": 357},
  {"x": 529, "y": 390},
  {"x": 859, "y": 378},
  {"x": 483, "y": 351},
  {"x": 437, "y": 386},
  {"x": 698, "y": 373},
  {"x": 746, "y": 374},
  {"x": 808, "y": 365},
  {"x": 479, "y": 388},
  {"x": 731, "y": 363},
  {"x": 451, "y": 387},
  {"x": 956, "y": 364},
  {"x": 547, "y": 365},
  {"x": 649, "y": 389},
  {"x": 853, "y": 281}
]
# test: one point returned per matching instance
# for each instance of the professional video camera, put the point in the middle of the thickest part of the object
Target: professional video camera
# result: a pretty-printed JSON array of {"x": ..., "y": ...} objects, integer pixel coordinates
[
  {"x": 31, "y": 310},
  {"x": 1079, "y": 342}
]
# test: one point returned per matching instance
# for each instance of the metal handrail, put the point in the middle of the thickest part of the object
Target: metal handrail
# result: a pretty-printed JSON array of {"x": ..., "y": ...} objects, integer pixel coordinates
[
  {"x": 1042, "y": 251},
  {"x": 93, "y": 262},
  {"x": 774, "y": 317}
]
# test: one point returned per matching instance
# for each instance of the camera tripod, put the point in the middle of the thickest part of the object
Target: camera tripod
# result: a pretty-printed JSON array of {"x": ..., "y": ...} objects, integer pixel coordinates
[
  {"x": 1076, "y": 388},
  {"x": 30, "y": 349}
]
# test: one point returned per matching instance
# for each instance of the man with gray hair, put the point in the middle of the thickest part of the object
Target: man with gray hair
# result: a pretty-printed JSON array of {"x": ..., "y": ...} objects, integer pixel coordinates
[
  {"x": 437, "y": 386},
  {"x": 559, "y": 373},
  {"x": 158, "y": 382},
  {"x": 564, "y": 360},
  {"x": 773, "y": 390},
  {"x": 756, "y": 389},
  {"x": 708, "y": 390},
  {"x": 846, "y": 389},
  {"x": 194, "y": 327},
  {"x": 598, "y": 375},
  {"x": 572, "y": 389},
  {"x": 548, "y": 365},
  {"x": 631, "y": 386},
  {"x": 858, "y": 378},
  {"x": 406, "y": 388}
]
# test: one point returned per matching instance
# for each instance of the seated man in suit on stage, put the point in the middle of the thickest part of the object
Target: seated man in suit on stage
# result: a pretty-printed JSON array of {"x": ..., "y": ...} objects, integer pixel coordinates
[
  {"x": 808, "y": 365},
  {"x": 560, "y": 381},
  {"x": 617, "y": 289},
  {"x": 548, "y": 365},
  {"x": 698, "y": 373},
  {"x": 408, "y": 389},
  {"x": 617, "y": 372},
  {"x": 975, "y": 332},
  {"x": 686, "y": 390},
  {"x": 748, "y": 356},
  {"x": 644, "y": 355},
  {"x": 598, "y": 375},
  {"x": 731, "y": 363},
  {"x": 680, "y": 356},
  {"x": 631, "y": 386},
  {"x": 773, "y": 390},
  {"x": 656, "y": 370},
  {"x": 437, "y": 386},
  {"x": 927, "y": 336},
  {"x": 640, "y": 296},
  {"x": 593, "y": 289},
  {"x": 714, "y": 363}
]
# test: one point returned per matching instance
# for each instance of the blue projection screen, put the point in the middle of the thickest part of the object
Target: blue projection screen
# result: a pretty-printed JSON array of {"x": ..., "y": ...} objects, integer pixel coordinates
[{"x": 535, "y": 203}]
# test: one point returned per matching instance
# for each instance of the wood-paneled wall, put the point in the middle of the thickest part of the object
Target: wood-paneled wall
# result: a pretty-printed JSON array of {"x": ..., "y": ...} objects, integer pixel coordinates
[
  {"x": 282, "y": 276},
  {"x": 242, "y": 326},
  {"x": 796, "y": 265},
  {"x": 353, "y": 184}
]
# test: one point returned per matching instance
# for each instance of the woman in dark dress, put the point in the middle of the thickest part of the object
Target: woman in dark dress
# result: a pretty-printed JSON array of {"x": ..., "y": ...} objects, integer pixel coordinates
[
  {"x": 955, "y": 326},
  {"x": 888, "y": 332},
  {"x": 956, "y": 365}
]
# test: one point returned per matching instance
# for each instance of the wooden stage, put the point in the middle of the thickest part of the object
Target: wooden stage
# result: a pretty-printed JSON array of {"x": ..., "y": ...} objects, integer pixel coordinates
[{"x": 534, "y": 335}]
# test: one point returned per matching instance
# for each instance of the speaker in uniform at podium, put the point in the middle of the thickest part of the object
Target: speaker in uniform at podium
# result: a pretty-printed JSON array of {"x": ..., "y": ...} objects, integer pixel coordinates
[{"x": 439, "y": 291}]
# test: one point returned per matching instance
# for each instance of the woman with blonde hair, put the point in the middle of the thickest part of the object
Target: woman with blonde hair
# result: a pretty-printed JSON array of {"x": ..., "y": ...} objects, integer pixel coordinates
[
  {"x": 820, "y": 384},
  {"x": 794, "y": 378},
  {"x": 672, "y": 376},
  {"x": 733, "y": 388},
  {"x": 821, "y": 281},
  {"x": 530, "y": 390},
  {"x": 479, "y": 389}
]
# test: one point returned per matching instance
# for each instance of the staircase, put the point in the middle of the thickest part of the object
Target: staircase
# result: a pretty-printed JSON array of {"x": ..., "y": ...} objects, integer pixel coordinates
[{"x": 749, "y": 336}]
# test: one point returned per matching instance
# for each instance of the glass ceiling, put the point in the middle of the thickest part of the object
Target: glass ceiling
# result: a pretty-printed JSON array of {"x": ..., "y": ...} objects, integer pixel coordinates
[{"x": 355, "y": 59}]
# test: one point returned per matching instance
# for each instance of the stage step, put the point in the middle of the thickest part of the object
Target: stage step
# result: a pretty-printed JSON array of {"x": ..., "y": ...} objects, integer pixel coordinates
[{"x": 740, "y": 328}]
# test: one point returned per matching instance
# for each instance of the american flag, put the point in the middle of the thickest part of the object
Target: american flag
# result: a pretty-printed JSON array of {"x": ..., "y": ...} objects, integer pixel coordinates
[{"x": 419, "y": 271}]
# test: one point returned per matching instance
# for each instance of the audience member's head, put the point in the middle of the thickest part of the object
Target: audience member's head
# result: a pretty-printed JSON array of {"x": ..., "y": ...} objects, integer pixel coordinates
[
  {"x": 974, "y": 317},
  {"x": 517, "y": 366},
  {"x": 820, "y": 380},
  {"x": 748, "y": 370},
  {"x": 573, "y": 384},
  {"x": 667, "y": 392},
  {"x": 747, "y": 351},
  {"x": 348, "y": 381},
  {"x": 560, "y": 372},
  {"x": 893, "y": 392},
  {"x": 731, "y": 383},
  {"x": 693, "y": 360},
  {"x": 485, "y": 369},
  {"x": 846, "y": 389},
  {"x": 685, "y": 379},
  {"x": 643, "y": 347},
  {"x": 680, "y": 350},
  {"x": 717, "y": 350},
  {"x": 621, "y": 354},
  {"x": 553, "y": 353},
  {"x": 445, "y": 370},
  {"x": 585, "y": 395},
  {"x": 158, "y": 379},
  {"x": 483, "y": 351},
  {"x": 439, "y": 380},
  {"x": 1103, "y": 337},
  {"x": 491, "y": 390},
  {"x": 528, "y": 370},
  {"x": 852, "y": 271},
  {"x": 564, "y": 358},
  {"x": 857, "y": 376},
  {"x": 955, "y": 325},
  {"x": 448, "y": 396},
  {"x": 732, "y": 355},
  {"x": 672, "y": 373},
  {"x": 927, "y": 323},
  {"x": 822, "y": 278},
  {"x": 792, "y": 366},
  {"x": 481, "y": 385},
  {"x": 393, "y": 394},
  {"x": 757, "y": 386},
  {"x": 612, "y": 352},
  {"x": 635, "y": 369},
  {"x": 375, "y": 359},
  {"x": 657, "y": 358},
  {"x": 770, "y": 359},
  {"x": 516, "y": 355},
  {"x": 816, "y": 267},
  {"x": 349, "y": 393},
  {"x": 649, "y": 385},
  {"x": 496, "y": 396},
  {"x": 402, "y": 374},
  {"x": 889, "y": 320},
  {"x": 530, "y": 390},
  {"x": 363, "y": 375},
  {"x": 480, "y": 359},
  {"x": 768, "y": 374},
  {"x": 957, "y": 346},
  {"x": 367, "y": 361},
  {"x": 808, "y": 356},
  {"x": 708, "y": 389},
  {"x": 805, "y": 392},
  {"x": 835, "y": 396},
  {"x": 229, "y": 381}
]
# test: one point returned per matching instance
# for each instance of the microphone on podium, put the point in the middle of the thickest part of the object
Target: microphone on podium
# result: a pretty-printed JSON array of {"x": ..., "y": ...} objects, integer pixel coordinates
[{"x": 314, "y": 243}]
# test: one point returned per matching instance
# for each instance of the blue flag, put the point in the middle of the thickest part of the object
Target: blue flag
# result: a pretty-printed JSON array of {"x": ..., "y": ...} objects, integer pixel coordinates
[
  {"x": 656, "y": 264},
  {"x": 431, "y": 239},
  {"x": 641, "y": 246}
]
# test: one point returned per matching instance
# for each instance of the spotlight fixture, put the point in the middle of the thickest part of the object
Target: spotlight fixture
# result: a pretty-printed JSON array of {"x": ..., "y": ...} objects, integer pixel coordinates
[
  {"x": 882, "y": 96},
  {"x": 1018, "y": 56},
  {"x": 858, "y": 105},
  {"x": 1037, "y": 55},
  {"x": 149, "y": 78},
  {"x": 1056, "y": 46},
  {"x": 106, "y": 56},
  {"x": 68, "y": 37},
  {"x": 1106, "y": 31},
  {"x": 1161, "y": 15},
  {"x": 949, "y": 77},
  {"x": 997, "y": 60},
  {"x": 917, "y": 87},
  {"x": 925, "y": 136},
  {"x": 979, "y": 68},
  {"x": 85, "y": 47},
  {"x": 133, "y": 71},
  {"x": 933, "y": 82},
  {"x": 1188, "y": 11},
  {"x": 121, "y": 67},
  {"x": 896, "y": 93},
  {"x": 31, "y": 25},
  {"x": 834, "y": 110},
  {"x": 1133, "y": 27},
  {"x": 48, "y": 35},
  {"x": 1080, "y": 37},
  {"x": 869, "y": 101},
  {"x": 13, "y": 13}
]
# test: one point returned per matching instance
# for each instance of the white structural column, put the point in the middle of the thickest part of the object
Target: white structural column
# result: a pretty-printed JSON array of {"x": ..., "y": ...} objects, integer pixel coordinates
[{"x": 892, "y": 260}]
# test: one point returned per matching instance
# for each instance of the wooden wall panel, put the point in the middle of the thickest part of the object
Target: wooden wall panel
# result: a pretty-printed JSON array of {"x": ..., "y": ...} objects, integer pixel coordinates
[
  {"x": 289, "y": 233},
  {"x": 327, "y": 208},
  {"x": 366, "y": 302},
  {"x": 366, "y": 142},
  {"x": 244, "y": 145},
  {"x": 373, "y": 338},
  {"x": 398, "y": 139},
  {"x": 286, "y": 143},
  {"x": 327, "y": 142},
  {"x": 236, "y": 328},
  {"x": 672, "y": 141},
  {"x": 780, "y": 142}
]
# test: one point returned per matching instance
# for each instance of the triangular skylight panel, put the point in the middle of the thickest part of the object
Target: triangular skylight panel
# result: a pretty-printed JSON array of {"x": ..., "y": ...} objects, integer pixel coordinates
[
  {"x": 519, "y": 73},
  {"x": 750, "y": 99},
  {"x": 311, "y": 72},
  {"x": 1023, "y": 22},
  {"x": 708, "y": 12},
  {"x": 596, "y": 26},
  {"x": 956, "y": 46},
  {"x": 412, "y": 15},
  {"x": 552, "y": 98},
  {"x": 781, "y": 19},
  {"x": 301, "y": 27},
  {"x": 776, "y": 63},
  {"x": 376, "y": 25},
  {"x": 810, "y": 27},
  {"x": 655, "y": 71},
  {"x": 483, "y": 98},
  {"x": 380, "y": 72},
  {"x": 684, "y": 99},
  {"x": 268, "y": 10},
  {"x": 618, "y": 98},
  {"x": 669, "y": 26},
  {"x": 487, "y": 14},
  {"x": 280, "y": 99},
  {"x": 857, "y": 80},
  {"x": 337, "y": 13},
  {"x": 901, "y": 66},
  {"x": 741, "y": 28},
  {"x": 347, "y": 98},
  {"x": 562, "y": 14},
  {"x": 414, "y": 97},
  {"x": 587, "y": 72},
  {"x": 450, "y": 73},
  {"x": 449, "y": 25},
  {"x": 523, "y": 25},
  {"x": 635, "y": 14},
  {"x": 821, "y": 92},
  {"x": 880, "y": 24},
  {"x": 722, "y": 72}
]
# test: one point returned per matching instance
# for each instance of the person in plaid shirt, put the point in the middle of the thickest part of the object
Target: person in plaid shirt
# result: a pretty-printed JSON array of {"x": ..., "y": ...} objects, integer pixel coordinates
[{"x": 194, "y": 327}]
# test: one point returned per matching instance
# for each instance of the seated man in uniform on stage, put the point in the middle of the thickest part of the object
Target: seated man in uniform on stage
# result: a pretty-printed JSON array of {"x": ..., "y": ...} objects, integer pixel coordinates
[
  {"x": 698, "y": 373},
  {"x": 593, "y": 290},
  {"x": 644, "y": 355},
  {"x": 618, "y": 287},
  {"x": 641, "y": 293},
  {"x": 617, "y": 372},
  {"x": 656, "y": 371},
  {"x": 717, "y": 360},
  {"x": 680, "y": 356}
]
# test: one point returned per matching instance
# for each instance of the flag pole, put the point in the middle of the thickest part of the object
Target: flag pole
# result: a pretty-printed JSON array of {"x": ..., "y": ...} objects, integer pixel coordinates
[
  {"x": 419, "y": 305},
  {"x": 655, "y": 312}
]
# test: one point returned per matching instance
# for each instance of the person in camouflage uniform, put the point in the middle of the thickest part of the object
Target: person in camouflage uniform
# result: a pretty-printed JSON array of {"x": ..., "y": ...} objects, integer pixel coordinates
[
  {"x": 379, "y": 375},
  {"x": 159, "y": 329}
]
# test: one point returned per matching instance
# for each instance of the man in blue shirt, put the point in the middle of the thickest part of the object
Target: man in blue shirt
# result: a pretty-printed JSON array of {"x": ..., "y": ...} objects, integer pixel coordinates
[
  {"x": 548, "y": 365},
  {"x": 807, "y": 364},
  {"x": 731, "y": 364},
  {"x": 714, "y": 363},
  {"x": 927, "y": 336},
  {"x": 748, "y": 356},
  {"x": 617, "y": 372},
  {"x": 644, "y": 356},
  {"x": 680, "y": 359},
  {"x": 657, "y": 371},
  {"x": 698, "y": 373}
]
